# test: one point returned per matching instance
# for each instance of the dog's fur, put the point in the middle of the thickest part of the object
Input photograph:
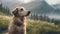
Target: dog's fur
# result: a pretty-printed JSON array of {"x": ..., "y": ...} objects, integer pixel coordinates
[{"x": 18, "y": 24}]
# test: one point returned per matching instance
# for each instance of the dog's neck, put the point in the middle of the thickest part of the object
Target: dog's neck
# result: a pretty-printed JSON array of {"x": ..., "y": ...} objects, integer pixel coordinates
[{"x": 20, "y": 18}]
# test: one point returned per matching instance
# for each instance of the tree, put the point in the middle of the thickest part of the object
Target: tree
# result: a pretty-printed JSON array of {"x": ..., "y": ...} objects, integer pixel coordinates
[
  {"x": 4, "y": 9},
  {"x": 1, "y": 7}
]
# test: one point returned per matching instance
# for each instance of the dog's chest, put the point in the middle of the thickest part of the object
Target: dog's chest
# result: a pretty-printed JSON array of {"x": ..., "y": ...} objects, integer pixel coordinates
[
  {"x": 17, "y": 22},
  {"x": 20, "y": 25}
]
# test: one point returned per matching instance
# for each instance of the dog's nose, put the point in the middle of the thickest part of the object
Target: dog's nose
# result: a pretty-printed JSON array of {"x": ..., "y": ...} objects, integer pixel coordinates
[{"x": 29, "y": 12}]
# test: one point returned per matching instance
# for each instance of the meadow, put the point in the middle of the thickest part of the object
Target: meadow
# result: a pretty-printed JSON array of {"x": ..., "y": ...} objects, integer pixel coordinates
[{"x": 33, "y": 26}]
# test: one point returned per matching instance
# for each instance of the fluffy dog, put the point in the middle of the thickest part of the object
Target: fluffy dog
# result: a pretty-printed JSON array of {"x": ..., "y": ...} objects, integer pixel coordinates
[{"x": 18, "y": 24}]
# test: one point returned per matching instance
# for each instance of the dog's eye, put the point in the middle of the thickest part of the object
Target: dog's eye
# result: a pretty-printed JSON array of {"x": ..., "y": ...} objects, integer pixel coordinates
[{"x": 21, "y": 9}]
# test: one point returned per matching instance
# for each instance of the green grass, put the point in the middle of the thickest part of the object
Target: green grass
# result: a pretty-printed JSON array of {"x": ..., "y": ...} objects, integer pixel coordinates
[
  {"x": 41, "y": 27},
  {"x": 2, "y": 13},
  {"x": 33, "y": 27},
  {"x": 4, "y": 21}
]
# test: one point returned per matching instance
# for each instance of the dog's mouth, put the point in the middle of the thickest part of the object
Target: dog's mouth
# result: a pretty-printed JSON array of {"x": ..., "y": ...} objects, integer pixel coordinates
[{"x": 28, "y": 13}]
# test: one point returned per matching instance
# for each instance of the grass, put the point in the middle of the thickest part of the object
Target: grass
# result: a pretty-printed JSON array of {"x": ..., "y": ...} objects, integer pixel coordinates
[
  {"x": 2, "y": 13},
  {"x": 33, "y": 27},
  {"x": 4, "y": 21},
  {"x": 41, "y": 27}
]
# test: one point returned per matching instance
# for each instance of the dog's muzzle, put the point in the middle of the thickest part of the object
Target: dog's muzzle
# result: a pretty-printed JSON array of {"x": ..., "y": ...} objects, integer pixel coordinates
[{"x": 28, "y": 13}]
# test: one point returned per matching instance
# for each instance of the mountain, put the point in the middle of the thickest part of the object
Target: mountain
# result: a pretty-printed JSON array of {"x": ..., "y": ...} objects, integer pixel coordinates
[
  {"x": 43, "y": 8},
  {"x": 57, "y": 6},
  {"x": 37, "y": 6},
  {"x": 9, "y": 3},
  {"x": 57, "y": 9}
]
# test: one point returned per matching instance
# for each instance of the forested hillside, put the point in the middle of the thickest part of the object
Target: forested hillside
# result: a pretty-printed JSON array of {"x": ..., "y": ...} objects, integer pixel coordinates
[{"x": 4, "y": 9}]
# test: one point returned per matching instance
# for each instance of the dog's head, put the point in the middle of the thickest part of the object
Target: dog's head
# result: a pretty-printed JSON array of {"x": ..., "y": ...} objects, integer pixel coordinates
[{"x": 20, "y": 11}]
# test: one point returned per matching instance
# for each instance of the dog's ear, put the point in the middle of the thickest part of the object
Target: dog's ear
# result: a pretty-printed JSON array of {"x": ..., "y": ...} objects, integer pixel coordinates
[{"x": 15, "y": 11}]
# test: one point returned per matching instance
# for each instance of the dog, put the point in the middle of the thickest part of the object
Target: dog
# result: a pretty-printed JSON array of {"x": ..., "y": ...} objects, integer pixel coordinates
[{"x": 18, "y": 23}]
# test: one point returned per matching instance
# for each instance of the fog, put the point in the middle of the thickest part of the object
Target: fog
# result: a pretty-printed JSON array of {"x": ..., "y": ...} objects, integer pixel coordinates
[{"x": 52, "y": 2}]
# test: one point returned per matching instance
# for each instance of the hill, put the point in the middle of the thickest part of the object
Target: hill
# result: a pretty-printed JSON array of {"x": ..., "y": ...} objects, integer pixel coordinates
[
  {"x": 43, "y": 8},
  {"x": 33, "y": 27},
  {"x": 39, "y": 6}
]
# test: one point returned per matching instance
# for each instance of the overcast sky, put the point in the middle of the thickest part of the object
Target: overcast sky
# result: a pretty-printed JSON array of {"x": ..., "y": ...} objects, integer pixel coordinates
[{"x": 51, "y": 2}]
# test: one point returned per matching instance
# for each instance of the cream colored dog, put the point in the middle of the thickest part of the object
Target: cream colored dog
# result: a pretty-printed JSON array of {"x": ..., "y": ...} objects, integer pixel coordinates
[{"x": 18, "y": 24}]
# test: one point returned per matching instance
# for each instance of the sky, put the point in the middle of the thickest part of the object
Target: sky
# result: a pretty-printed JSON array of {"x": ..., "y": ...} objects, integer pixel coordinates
[
  {"x": 52, "y": 2},
  {"x": 25, "y": 1}
]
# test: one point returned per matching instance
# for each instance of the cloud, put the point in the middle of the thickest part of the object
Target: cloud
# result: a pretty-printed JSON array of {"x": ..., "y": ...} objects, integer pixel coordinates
[
  {"x": 51, "y": 2},
  {"x": 25, "y": 1}
]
